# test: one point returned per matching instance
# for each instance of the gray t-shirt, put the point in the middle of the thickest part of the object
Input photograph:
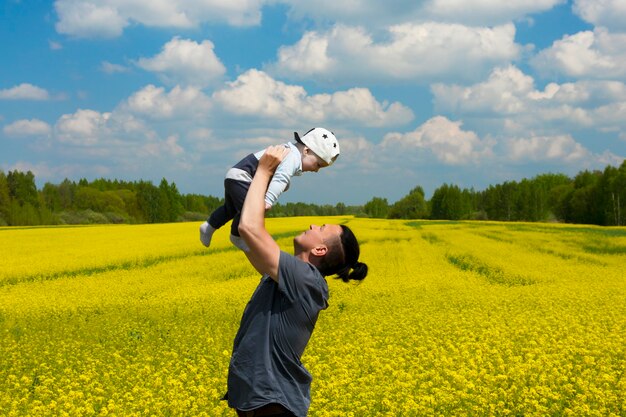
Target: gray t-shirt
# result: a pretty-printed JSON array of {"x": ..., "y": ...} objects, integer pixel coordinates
[{"x": 275, "y": 328}]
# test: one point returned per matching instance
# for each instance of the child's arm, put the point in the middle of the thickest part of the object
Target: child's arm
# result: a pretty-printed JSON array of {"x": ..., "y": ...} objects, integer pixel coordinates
[{"x": 281, "y": 179}]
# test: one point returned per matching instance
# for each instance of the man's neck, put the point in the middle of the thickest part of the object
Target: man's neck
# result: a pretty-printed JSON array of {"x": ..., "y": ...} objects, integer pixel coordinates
[{"x": 302, "y": 255}]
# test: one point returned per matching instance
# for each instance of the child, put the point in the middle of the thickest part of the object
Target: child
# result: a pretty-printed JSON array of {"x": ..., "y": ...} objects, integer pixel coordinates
[{"x": 318, "y": 148}]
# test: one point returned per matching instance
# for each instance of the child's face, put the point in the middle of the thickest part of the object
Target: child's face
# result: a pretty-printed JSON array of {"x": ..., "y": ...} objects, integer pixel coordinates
[{"x": 312, "y": 162}]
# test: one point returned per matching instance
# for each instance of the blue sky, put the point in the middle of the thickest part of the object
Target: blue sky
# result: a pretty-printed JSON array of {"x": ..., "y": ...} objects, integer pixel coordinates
[{"x": 417, "y": 92}]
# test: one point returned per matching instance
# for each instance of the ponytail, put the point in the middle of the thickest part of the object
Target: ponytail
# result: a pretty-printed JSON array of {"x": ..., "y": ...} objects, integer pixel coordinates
[
  {"x": 358, "y": 273},
  {"x": 342, "y": 259}
]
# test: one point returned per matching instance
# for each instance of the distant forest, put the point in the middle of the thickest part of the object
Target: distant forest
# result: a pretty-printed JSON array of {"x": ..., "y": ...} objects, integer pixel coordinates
[{"x": 591, "y": 197}]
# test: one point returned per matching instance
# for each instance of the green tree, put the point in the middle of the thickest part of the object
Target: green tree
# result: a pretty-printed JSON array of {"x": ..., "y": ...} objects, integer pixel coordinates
[
  {"x": 602, "y": 210},
  {"x": 579, "y": 203},
  {"x": 170, "y": 204},
  {"x": 67, "y": 190},
  {"x": 558, "y": 200},
  {"x": 23, "y": 214},
  {"x": 618, "y": 195},
  {"x": 148, "y": 201},
  {"x": 23, "y": 208},
  {"x": 51, "y": 197},
  {"x": 22, "y": 188},
  {"x": 194, "y": 203},
  {"x": 544, "y": 194},
  {"x": 163, "y": 202},
  {"x": 131, "y": 207},
  {"x": 198, "y": 203},
  {"x": 377, "y": 208},
  {"x": 5, "y": 200},
  {"x": 46, "y": 215},
  {"x": 499, "y": 201},
  {"x": 176, "y": 208},
  {"x": 449, "y": 202},
  {"x": 411, "y": 206},
  {"x": 87, "y": 198},
  {"x": 525, "y": 202}
]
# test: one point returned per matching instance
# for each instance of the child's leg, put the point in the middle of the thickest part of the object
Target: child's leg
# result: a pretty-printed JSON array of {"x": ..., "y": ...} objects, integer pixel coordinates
[
  {"x": 238, "y": 191},
  {"x": 234, "y": 196},
  {"x": 220, "y": 216}
]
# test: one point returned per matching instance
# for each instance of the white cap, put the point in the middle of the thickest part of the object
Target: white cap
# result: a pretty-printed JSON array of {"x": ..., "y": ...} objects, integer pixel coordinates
[{"x": 321, "y": 141}]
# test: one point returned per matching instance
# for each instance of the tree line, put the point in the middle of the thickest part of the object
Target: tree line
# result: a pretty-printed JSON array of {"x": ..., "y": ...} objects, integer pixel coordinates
[
  {"x": 114, "y": 201},
  {"x": 591, "y": 197}
]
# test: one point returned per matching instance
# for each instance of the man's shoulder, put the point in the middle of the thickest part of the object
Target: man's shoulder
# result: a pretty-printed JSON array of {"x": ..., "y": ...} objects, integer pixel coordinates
[
  {"x": 299, "y": 279},
  {"x": 288, "y": 260}
]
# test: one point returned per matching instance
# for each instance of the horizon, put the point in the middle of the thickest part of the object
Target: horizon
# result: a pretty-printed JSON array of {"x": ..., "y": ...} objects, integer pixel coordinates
[{"x": 40, "y": 186}]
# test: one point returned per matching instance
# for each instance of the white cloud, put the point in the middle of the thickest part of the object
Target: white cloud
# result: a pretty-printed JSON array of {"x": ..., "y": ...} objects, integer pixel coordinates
[
  {"x": 167, "y": 147},
  {"x": 111, "y": 68},
  {"x": 181, "y": 102},
  {"x": 358, "y": 145},
  {"x": 597, "y": 54},
  {"x": 256, "y": 93},
  {"x": 24, "y": 91},
  {"x": 418, "y": 52},
  {"x": 607, "y": 13},
  {"x": 120, "y": 139},
  {"x": 109, "y": 18},
  {"x": 452, "y": 145},
  {"x": 511, "y": 95},
  {"x": 25, "y": 127},
  {"x": 545, "y": 148},
  {"x": 84, "y": 127},
  {"x": 360, "y": 105},
  {"x": 183, "y": 61},
  {"x": 153, "y": 124},
  {"x": 486, "y": 11},
  {"x": 89, "y": 19},
  {"x": 48, "y": 172},
  {"x": 612, "y": 117},
  {"x": 375, "y": 12},
  {"x": 202, "y": 141},
  {"x": 445, "y": 139},
  {"x": 530, "y": 122},
  {"x": 359, "y": 154},
  {"x": 503, "y": 93}
]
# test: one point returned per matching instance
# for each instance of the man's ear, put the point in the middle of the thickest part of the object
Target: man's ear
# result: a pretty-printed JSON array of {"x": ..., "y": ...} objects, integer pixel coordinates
[{"x": 319, "y": 250}]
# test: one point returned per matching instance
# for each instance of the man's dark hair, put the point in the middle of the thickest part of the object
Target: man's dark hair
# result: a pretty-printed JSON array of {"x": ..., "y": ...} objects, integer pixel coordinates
[{"x": 342, "y": 258}]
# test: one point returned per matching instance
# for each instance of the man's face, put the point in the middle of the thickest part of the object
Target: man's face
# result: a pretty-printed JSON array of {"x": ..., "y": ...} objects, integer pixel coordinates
[{"x": 317, "y": 235}]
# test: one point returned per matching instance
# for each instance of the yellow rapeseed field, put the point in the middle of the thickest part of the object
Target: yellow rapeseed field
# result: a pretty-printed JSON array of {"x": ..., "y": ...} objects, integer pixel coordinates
[{"x": 455, "y": 319}]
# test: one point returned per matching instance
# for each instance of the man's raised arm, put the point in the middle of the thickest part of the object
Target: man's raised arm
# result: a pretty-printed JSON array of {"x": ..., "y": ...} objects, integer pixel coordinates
[{"x": 264, "y": 251}]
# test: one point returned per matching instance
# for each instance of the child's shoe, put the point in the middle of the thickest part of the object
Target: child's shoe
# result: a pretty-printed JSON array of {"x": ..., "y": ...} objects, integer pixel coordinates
[
  {"x": 239, "y": 242},
  {"x": 206, "y": 233}
]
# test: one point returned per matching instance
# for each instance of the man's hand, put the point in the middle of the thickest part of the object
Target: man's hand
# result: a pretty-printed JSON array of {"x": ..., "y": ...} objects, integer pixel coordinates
[{"x": 272, "y": 157}]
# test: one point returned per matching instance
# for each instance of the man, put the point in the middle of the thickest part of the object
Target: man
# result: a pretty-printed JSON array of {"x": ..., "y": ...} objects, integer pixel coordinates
[{"x": 266, "y": 377}]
